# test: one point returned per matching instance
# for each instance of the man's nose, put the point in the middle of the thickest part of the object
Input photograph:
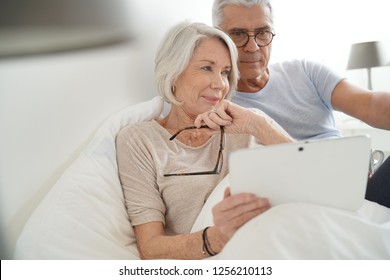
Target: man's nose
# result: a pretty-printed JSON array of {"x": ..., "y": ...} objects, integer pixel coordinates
[{"x": 251, "y": 45}]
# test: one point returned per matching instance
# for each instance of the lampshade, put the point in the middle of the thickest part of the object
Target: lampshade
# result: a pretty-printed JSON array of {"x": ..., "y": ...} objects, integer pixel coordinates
[
  {"x": 29, "y": 27},
  {"x": 367, "y": 55}
]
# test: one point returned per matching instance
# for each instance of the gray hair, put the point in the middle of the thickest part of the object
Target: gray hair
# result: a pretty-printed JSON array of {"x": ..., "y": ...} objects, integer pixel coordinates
[
  {"x": 217, "y": 12},
  {"x": 176, "y": 50}
]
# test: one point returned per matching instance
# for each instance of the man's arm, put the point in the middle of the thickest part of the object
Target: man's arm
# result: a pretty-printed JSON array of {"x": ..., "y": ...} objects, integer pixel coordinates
[{"x": 371, "y": 107}]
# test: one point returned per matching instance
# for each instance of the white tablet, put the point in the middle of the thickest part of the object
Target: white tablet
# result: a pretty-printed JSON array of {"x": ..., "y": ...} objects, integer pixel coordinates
[{"x": 331, "y": 172}]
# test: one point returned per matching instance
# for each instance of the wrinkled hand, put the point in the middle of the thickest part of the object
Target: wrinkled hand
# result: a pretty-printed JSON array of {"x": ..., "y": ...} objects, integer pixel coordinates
[
  {"x": 234, "y": 118},
  {"x": 235, "y": 210}
]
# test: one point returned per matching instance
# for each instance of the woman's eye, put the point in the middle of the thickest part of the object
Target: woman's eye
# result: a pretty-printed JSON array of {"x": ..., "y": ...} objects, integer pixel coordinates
[
  {"x": 206, "y": 68},
  {"x": 226, "y": 73}
]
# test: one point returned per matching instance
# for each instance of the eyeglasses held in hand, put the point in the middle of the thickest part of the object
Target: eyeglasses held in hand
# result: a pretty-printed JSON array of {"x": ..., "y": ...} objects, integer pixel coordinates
[
  {"x": 218, "y": 166},
  {"x": 262, "y": 38}
]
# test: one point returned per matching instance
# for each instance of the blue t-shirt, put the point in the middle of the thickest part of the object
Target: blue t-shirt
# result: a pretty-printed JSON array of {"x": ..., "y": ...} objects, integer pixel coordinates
[{"x": 297, "y": 96}]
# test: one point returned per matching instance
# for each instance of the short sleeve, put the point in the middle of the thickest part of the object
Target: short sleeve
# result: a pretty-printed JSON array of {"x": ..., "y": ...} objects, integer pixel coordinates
[
  {"x": 323, "y": 78},
  {"x": 138, "y": 177}
]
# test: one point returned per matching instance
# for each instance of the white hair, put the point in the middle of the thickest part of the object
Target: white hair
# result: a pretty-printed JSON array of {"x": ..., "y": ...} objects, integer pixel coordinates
[
  {"x": 175, "y": 52},
  {"x": 219, "y": 5}
]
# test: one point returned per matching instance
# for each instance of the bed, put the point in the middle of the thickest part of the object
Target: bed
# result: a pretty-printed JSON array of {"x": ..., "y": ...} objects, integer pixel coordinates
[{"x": 83, "y": 216}]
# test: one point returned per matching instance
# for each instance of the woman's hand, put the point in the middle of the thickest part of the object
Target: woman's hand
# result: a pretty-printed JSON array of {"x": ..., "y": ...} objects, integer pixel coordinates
[
  {"x": 234, "y": 118},
  {"x": 238, "y": 120},
  {"x": 235, "y": 210}
]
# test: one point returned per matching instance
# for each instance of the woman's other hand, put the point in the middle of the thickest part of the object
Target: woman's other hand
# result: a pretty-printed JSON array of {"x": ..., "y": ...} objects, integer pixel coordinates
[{"x": 235, "y": 210}]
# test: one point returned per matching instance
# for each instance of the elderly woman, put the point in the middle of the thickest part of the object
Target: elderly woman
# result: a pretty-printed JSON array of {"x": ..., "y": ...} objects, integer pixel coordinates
[{"x": 169, "y": 167}]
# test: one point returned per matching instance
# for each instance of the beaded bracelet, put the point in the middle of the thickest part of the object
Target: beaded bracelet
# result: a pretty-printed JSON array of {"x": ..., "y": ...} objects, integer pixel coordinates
[{"x": 206, "y": 244}]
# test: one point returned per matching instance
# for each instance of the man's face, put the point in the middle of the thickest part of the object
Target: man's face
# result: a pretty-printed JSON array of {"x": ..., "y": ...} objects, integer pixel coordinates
[{"x": 253, "y": 60}]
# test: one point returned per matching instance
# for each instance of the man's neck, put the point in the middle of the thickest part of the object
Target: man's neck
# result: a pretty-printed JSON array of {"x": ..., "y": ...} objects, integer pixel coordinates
[{"x": 253, "y": 85}]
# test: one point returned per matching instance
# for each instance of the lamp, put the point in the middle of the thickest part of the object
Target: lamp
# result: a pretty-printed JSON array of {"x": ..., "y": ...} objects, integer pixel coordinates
[{"x": 367, "y": 55}]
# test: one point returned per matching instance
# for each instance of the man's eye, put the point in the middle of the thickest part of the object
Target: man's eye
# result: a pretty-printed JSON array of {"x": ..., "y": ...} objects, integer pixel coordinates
[{"x": 237, "y": 33}]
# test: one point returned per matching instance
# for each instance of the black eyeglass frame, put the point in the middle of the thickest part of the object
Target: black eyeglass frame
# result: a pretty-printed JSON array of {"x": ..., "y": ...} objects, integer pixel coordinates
[
  {"x": 255, "y": 36},
  {"x": 218, "y": 166}
]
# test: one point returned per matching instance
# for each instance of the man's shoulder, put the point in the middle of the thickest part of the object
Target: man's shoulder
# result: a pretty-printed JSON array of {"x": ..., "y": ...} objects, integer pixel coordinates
[
  {"x": 287, "y": 67},
  {"x": 290, "y": 63},
  {"x": 295, "y": 65}
]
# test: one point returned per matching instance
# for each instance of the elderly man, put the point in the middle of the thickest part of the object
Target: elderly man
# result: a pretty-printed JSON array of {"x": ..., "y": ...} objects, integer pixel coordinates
[{"x": 300, "y": 95}]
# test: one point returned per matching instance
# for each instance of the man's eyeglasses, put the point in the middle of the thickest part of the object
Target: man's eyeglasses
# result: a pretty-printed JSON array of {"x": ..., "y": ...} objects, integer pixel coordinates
[
  {"x": 262, "y": 38},
  {"x": 218, "y": 166}
]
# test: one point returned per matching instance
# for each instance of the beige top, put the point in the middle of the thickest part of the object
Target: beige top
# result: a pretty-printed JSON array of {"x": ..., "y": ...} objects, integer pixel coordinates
[{"x": 145, "y": 154}]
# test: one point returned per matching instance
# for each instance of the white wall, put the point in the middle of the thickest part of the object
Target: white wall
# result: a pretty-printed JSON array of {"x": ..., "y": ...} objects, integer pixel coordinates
[
  {"x": 324, "y": 30},
  {"x": 115, "y": 77}
]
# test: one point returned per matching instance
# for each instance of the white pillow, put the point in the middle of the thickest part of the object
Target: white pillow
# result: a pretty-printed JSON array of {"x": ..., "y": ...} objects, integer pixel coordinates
[{"x": 83, "y": 216}]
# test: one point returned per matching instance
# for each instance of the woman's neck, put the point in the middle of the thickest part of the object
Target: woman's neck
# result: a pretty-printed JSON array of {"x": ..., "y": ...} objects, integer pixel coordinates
[{"x": 178, "y": 119}]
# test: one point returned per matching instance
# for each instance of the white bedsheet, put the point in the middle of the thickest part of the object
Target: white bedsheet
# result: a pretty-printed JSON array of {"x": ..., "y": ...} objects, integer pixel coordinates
[
  {"x": 303, "y": 231},
  {"x": 306, "y": 231}
]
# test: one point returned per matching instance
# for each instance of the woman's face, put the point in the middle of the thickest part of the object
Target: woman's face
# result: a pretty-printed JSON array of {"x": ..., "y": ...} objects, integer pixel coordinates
[{"x": 205, "y": 81}]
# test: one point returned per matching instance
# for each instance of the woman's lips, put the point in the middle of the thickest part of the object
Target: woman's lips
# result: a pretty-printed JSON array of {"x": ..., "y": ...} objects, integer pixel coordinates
[{"x": 212, "y": 99}]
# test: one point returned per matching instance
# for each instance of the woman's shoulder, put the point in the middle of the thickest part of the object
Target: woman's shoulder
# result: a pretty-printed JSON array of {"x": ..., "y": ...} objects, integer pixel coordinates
[{"x": 138, "y": 130}]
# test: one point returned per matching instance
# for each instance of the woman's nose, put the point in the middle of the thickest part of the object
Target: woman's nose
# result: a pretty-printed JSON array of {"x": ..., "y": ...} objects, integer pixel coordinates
[{"x": 218, "y": 82}]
